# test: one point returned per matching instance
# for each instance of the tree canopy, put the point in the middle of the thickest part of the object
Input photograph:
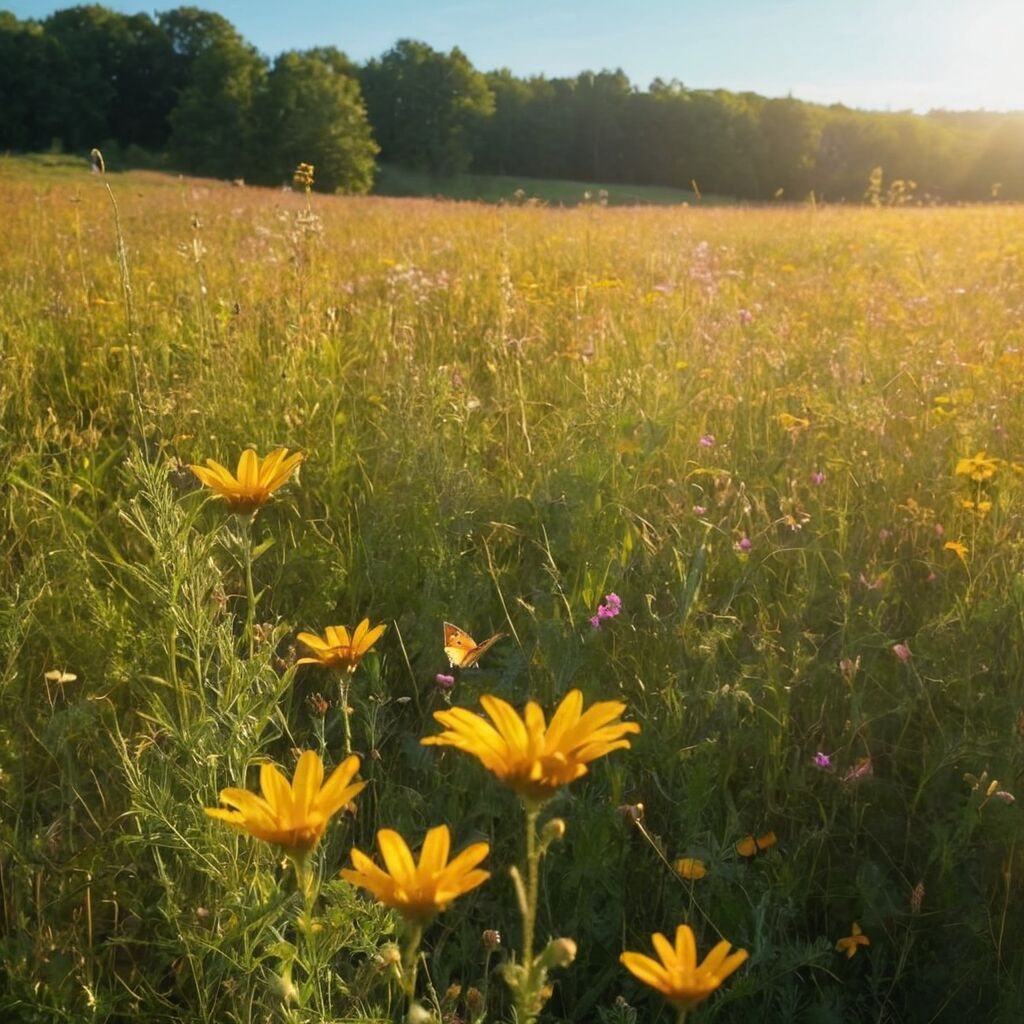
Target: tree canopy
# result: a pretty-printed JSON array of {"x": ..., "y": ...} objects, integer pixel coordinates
[{"x": 189, "y": 86}]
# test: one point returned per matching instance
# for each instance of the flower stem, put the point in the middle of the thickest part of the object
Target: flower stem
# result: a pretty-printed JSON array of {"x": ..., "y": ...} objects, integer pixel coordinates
[
  {"x": 250, "y": 591},
  {"x": 344, "y": 682},
  {"x": 532, "y": 881},
  {"x": 410, "y": 964},
  {"x": 526, "y": 994},
  {"x": 681, "y": 1019}
]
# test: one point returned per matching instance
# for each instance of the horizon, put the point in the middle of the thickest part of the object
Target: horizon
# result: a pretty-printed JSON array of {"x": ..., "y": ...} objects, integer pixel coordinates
[{"x": 858, "y": 57}]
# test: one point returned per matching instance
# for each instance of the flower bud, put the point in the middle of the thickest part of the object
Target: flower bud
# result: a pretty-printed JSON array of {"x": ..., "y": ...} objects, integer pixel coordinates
[
  {"x": 475, "y": 1002},
  {"x": 552, "y": 832},
  {"x": 491, "y": 939},
  {"x": 559, "y": 953},
  {"x": 390, "y": 955}
]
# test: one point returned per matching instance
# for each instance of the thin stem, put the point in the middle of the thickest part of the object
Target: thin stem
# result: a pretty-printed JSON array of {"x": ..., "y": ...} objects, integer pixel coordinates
[
  {"x": 526, "y": 989},
  {"x": 179, "y": 693},
  {"x": 250, "y": 591},
  {"x": 344, "y": 683},
  {"x": 681, "y": 1019}
]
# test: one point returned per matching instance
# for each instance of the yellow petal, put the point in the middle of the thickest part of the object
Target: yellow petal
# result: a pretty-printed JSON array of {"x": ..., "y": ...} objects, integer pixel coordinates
[
  {"x": 313, "y": 642},
  {"x": 248, "y": 471},
  {"x": 336, "y": 790},
  {"x": 565, "y": 717},
  {"x": 509, "y": 725},
  {"x": 309, "y": 773},
  {"x": 649, "y": 971},
  {"x": 276, "y": 790},
  {"x": 397, "y": 857},
  {"x": 686, "y": 947},
  {"x": 434, "y": 854}
]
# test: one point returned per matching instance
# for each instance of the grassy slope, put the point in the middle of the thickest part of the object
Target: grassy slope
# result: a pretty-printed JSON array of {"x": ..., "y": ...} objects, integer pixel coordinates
[
  {"x": 492, "y": 188},
  {"x": 501, "y": 410}
]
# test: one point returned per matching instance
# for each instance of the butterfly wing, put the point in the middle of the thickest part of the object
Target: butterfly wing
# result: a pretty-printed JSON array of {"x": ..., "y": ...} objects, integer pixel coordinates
[
  {"x": 481, "y": 649},
  {"x": 458, "y": 644},
  {"x": 462, "y": 650}
]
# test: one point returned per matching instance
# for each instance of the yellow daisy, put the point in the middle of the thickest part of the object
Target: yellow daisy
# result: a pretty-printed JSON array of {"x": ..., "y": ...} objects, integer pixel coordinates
[
  {"x": 532, "y": 758},
  {"x": 850, "y": 944},
  {"x": 336, "y": 649},
  {"x": 418, "y": 891},
  {"x": 978, "y": 467},
  {"x": 292, "y": 816},
  {"x": 255, "y": 481},
  {"x": 691, "y": 868},
  {"x": 677, "y": 976}
]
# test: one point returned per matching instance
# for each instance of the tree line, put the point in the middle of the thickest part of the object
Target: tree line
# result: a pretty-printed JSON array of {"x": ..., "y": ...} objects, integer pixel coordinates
[{"x": 187, "y": 86}]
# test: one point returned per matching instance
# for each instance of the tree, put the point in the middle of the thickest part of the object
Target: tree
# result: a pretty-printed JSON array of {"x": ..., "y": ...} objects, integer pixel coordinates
[
  {"x": 212, "y": 123},
  {"x": 312, "y": 110},
  {"x": 426, "y": 107},
  {"x": 25, "y": 85}
]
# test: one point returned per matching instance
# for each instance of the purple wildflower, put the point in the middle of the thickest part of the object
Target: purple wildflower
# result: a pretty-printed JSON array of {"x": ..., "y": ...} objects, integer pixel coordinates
[
  {"x": 608, "y": 610},
  {"x": 445, "y": 682},
  {"x": 707, "y": 441},
  {"x": 822, "y": 760},
  {"x": 818, "y": 478},
  {"x": 745, "y": 543},
  {"x": 699, "y": 510}
]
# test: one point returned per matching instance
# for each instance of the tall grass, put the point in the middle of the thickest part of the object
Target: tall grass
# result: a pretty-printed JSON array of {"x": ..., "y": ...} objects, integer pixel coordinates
[{"x": 502, "y": 412}]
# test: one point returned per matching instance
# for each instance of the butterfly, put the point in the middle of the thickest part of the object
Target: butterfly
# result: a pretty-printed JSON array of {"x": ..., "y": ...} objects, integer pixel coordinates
[
  {"x": 462, "y": 650},
  {"x": 751, "y": 847},
  {"x": 860, "y": 770}
]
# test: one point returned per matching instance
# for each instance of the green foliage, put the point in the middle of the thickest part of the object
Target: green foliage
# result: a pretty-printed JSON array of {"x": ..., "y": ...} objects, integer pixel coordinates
[
  {"x": 212, "y": 123},
  {"x": 425, "y": 106},
  {"x": 311, "y": 110}
]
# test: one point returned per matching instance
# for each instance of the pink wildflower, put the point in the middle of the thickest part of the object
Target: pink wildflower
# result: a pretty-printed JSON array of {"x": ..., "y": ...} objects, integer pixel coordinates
[
  {"x": 902, "y": 651},
  {"x": 608, "y": 610}
]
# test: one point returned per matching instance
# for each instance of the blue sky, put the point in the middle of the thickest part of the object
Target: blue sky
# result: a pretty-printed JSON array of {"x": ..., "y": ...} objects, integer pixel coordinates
[{"x": 880, "y": 54}]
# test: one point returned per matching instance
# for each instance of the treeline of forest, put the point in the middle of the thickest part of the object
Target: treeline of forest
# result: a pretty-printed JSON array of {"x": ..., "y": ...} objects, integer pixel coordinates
[{"x": 188, "y": 87}]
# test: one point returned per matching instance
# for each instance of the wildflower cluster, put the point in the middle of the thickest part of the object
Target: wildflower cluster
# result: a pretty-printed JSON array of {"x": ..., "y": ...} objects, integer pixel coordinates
[
  {"x": 608, "y": 609},
  {"x": 303, "y": 176}
]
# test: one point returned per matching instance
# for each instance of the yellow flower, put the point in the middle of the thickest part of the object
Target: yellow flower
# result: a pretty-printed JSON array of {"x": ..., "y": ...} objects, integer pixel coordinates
[
  {"x": 690, "y": 867},
  {"x": 677, "y": 977},
  {"x": 337, "y": 650},
  {"x": 418, "y": 891},
  {"x": 852, "y": 941},
  {"x": 977, "y": 467},
  {"x": 958, "y": 549},
  {"x": 257, "y": 478},
  {"x": 291, "y": 816},
  {"x": 750, "y": 847},
  {"x": 533, "y": 759},
  {"x": 795, "y": 423}
]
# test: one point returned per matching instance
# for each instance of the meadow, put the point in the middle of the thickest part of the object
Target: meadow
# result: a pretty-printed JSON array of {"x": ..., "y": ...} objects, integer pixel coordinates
[{"x": 786, "y": 441}]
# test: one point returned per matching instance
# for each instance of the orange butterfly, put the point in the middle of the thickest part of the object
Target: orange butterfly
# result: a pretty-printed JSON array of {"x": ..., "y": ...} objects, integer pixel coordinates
[
  {"x": 751, "y": 846},
  {"x": 462, "y": 650}
]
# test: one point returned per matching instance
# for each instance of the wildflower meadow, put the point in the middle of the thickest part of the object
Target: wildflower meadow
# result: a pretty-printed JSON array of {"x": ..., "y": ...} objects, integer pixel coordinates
[{"x": 427, "y": 611}]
